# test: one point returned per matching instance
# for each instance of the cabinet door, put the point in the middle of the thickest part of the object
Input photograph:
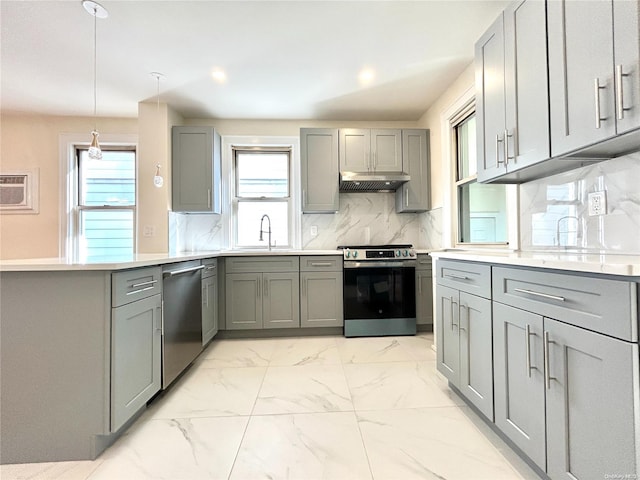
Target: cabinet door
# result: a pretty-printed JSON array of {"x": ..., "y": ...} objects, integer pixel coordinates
[
  {"x": 319, "y": 167},
  {"x": 243, "y": 295},
  {"x": 626, "y": 28},
  {"x": 526, "y": 84},
  {"x": 321, "y": 299},
  {"x": 424, "y": 297},
  {"x": 386, "y": 150},
  {"x": 518, "y": 373},
  {"x": 476, "y": 356},
  {"x": 448, "y": 333},
  {"x": 281, "y": 300},
  {"x": 490, "y": 102},
  {"x": 413, "y": 196},
  {"x": 581, "y": 85},
  {"x": 209, "y": 308},
  {"x": 591, "y": 412},
  {"x": 355, "y": 150},
  {"x": 195, "y": 170},
  {"x": 135, "y": 357}
]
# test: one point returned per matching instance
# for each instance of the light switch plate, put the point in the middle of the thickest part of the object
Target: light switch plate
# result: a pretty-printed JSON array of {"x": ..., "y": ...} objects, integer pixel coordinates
[{"x": 597, "y": 203}]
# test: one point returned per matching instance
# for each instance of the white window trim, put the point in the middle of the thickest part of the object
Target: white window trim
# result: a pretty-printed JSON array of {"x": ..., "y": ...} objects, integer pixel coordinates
[
  {"x": 228, "y": 186},
  {"x": 68, "y": 181},
  {"x": 450, "y": 203}
]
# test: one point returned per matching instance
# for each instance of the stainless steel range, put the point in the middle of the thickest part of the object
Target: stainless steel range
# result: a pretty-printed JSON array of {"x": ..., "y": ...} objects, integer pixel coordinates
[{"x": 379, "y": 290}]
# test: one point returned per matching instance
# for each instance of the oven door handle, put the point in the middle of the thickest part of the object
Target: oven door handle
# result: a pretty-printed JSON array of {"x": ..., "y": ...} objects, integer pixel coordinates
[{"x": 383, "y": 264}]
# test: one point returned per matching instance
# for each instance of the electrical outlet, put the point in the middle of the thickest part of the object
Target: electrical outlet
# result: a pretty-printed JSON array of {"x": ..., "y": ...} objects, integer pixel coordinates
[
  {"x": 597, "y": 203},
  {"x": 149, "y": 231},
  {"x": 314, "y": 230}
]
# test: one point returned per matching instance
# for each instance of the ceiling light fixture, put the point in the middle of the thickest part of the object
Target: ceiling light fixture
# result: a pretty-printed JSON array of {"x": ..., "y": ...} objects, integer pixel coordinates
[
  {"x": 219, "y": 75},
  {"x": 96, "y": 11},
  {"x": 366, "y": 76}
]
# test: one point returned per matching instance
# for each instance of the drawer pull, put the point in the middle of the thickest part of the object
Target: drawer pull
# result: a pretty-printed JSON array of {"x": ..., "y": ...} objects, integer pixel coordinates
[
  {"x": 539, "y": 294},
  {"x": 527, "y": 335},
  {"x": 457, "y": 277},
  {"x": 133, "y": 292},
  {"x": 321, "y": 264},
  {"x": 142, "y": 284}
]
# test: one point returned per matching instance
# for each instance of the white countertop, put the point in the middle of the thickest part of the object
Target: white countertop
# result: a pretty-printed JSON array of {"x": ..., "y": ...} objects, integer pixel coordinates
[
  {"x": 606, "y": 263},
  {"x": 140, "y": 260}
]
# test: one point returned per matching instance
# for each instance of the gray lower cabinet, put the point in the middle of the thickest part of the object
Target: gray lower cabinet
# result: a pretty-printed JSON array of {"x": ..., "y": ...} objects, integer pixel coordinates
[
  {"x": 209, "y": 301},
  {"x": 262, "y": 292},
  {"x": 464, "y": 332},
  {"x": 135, "y": 357},
  {"x": 566, "y": 390},
  {"x": 321, "y": 286},
  {"x": 319, "y": 170},
  {"x": 424, "y": 290},
  {"x": 413, "y": 196}
]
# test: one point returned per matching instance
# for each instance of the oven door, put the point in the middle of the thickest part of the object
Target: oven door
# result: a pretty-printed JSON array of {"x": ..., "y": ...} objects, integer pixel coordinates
[{"x": 379, "y": 298}]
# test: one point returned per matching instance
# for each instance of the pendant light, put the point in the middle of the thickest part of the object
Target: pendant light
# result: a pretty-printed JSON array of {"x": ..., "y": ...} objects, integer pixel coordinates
[
  {"x": 158, "y": 181},
  {"x": 96, "y": 11}
]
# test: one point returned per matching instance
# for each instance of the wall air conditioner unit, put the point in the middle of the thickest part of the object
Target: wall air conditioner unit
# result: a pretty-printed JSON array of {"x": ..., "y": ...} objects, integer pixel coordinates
[{"x": 19, "y": 191}]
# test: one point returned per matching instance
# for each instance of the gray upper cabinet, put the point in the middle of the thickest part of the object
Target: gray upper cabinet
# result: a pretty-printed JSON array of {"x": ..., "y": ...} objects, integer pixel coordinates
[
  {"x": 413, "y": 196},
  {"x": 594, "y": 76},
  {"x": 195, "y": 166},
  {"x": 319, "y": 170},
  {"x": 367, "y": 151},
  {"x": 512, "y": 111}
]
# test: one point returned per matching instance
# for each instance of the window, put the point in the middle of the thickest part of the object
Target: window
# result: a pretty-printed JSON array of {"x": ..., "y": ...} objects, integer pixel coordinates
[
  {"x": 262, "y": 187},
  {"x": 481, "y": 208},
  {"x": 106, "y": 205}
]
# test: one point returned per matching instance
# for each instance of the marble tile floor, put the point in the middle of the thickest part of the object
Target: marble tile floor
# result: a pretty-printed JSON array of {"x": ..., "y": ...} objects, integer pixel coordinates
[{"x": 303, "y": 408}]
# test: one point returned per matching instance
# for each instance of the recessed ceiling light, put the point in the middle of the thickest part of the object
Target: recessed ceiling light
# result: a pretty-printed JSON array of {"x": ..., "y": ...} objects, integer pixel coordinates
[
  {"x": 218, "y": 75},
  {"x": 366, "y": 76}
]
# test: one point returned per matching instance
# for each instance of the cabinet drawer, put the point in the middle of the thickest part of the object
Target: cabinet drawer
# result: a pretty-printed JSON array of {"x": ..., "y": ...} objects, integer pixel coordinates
[
  {"x": 597, "y": 304},
  {"x": 131, "y": 285},
  {"x": 282, "y": 263},
  {"x": 210, "y": 267},
  {"x": 321, "y": 263},
  {"x": 474, "y": 278},
  {"x": 424, "y": 262}
]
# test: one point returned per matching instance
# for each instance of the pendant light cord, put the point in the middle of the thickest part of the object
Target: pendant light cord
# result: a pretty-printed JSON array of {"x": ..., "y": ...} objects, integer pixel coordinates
[{"x": 95, "y": 67}]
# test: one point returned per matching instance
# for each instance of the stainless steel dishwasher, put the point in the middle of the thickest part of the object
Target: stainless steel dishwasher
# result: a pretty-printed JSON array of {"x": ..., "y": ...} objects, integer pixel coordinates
[{"x": 181, "y": 317}]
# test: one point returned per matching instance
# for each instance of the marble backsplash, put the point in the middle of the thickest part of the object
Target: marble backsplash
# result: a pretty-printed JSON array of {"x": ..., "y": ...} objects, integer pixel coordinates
[
  {"x": 554, "y": 210},
  {"x": 363, "y": 218}
]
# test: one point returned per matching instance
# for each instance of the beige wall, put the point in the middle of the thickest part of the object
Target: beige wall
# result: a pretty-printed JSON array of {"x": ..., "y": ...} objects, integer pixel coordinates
[
  {"x": 432, "y": 120},
  {"x": 33, "y": 141}
]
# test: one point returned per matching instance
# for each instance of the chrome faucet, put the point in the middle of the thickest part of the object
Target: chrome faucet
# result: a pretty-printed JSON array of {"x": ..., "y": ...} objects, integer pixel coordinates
[{"x": 268, "y": 231}]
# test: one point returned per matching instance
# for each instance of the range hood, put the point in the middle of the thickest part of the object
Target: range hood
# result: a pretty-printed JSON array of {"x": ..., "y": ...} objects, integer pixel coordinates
[{"x": 372, "y": 182}]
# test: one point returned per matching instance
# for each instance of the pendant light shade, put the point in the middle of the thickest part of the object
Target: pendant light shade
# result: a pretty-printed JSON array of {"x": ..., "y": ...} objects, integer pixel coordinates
[{"x": 96, "y": 11}]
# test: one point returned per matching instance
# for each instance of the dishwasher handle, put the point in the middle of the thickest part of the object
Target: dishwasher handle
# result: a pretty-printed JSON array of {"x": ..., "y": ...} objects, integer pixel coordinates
[{"x": 184, "y": 270}]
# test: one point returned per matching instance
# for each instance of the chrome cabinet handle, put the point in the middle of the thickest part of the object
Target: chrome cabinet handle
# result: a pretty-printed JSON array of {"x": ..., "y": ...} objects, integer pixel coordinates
[
  {"x": 506, "y": 147},
  {"x": 133, "y": 292},
  {"x": 457, "y": 277},
  {"x": 539, "y": 294},
  {"x": 321, "y": 264},
  {"x": 453, "y": 324},
  {"x": 161, "y": 326},
  {"x": 498, "y": 141},
  {"x": 266, "y": 282},
  {"x": 547, "y": 375},
  {"x": 142, "y": 284},
  {"x": 527, "y": 333},
  {"x": 596, "y": 89},
  {"x": 461, "y": 306},
  {"x": 619, "y": 92},
  {"x": 184, "y": 270}
]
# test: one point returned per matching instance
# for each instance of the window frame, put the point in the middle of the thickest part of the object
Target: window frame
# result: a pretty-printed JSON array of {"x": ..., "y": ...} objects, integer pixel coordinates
[
  {"x": 79, "y": 209},
  {"x": 460, "y": 109},
  {"x": 235, "y": 200}
]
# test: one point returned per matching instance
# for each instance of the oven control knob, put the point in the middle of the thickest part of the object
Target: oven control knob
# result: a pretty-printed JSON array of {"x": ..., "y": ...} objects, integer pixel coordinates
[
  {"x": 406, "y": 253},
  {"x": 355, "y": 254},
  {"x": 398, "y": 253}
]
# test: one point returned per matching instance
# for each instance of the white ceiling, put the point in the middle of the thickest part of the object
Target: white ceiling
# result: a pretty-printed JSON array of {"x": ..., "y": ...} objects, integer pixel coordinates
[{"x": 282, "y": 59}]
